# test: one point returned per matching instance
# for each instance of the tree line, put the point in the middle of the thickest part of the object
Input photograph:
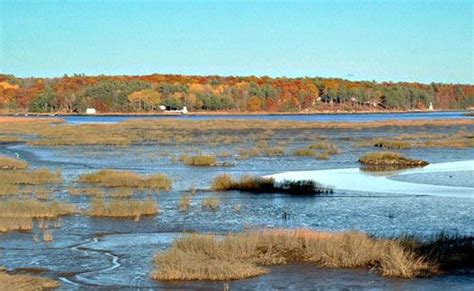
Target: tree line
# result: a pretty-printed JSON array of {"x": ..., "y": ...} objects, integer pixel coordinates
[{"x": 211, "y": 93}]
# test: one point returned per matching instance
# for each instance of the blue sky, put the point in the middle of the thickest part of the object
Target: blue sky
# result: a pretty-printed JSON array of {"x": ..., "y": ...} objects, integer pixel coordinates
[{"x": 421, "y": 41}]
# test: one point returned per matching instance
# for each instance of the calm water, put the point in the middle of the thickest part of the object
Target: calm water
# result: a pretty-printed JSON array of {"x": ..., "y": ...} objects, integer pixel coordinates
[
  {"x": 103, "y": 252},
  {"x": 312, "y": 117}
]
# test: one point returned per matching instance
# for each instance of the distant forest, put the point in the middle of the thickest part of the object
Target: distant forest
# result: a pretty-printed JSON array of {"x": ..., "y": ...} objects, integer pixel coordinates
[{"x": 214, "y": 93}]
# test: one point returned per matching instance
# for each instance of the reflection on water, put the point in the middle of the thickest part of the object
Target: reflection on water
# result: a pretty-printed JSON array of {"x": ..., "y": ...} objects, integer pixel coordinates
[{"x": 354, "y": 179}]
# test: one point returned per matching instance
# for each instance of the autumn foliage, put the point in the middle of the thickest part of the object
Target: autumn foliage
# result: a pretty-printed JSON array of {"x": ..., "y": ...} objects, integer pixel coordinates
[{"x": 211, "y": 93}]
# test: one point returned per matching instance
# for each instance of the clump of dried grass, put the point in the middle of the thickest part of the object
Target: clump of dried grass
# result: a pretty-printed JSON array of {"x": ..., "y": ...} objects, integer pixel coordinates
[
  {"x": 185, "y": 202},
  {"x": 254, "y": 184},
  {"x": 18, "y": 214},
  {"x": 199, "y": 160},
  {"x": 113, "y": 178},
  {"x": 33, "y": 208},
  {"x": 238, "y": 256},
  {"x": 25, "y": 282},
  {"x": 212, "y": 203},
  {"x": 15, "y": 223},
  {"x": 31, "y": 177},
  {"x": 389, "y": 160},
  {"x": 123, "y": 208},
  {"x": 7, "y": 163}
]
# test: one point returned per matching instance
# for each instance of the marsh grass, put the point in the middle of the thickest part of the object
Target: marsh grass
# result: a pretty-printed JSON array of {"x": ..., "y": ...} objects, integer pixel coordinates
[
  {"x": 33, "y": 208},
  {"x": 457, "y": 143},
  {"x": 243, "y": 255},
  {"x": 185, "y": 202},
  {"x": 261, "y": 149},
  {"x": 8, "y": 189},
  {"x": 320, "y": 151},
  {"x": 320, "y": 146},
  {"x": 163, "y": 131},
  {"x": 391, "y": 144},
  {"x": 447, "y": 251},
  {"x": 25, "y": 282},
  {"x": 123, "y": 208},
  {"x": 254, "y": 184},
  {"x": 90, "y": 191},
  {"x": 199, "y": 160},
  {"x": 18, "y": 214},
  {"x": 113, "y": 178},
  {"x": 211, "y": 203},
  {"x": 7, "y": 163},
  {"x": 304, "y": 152},
  {"x": 16, "y": 223},
  {"x": 388, "y": 160},
  {"x": 458, "y": 140},
  {"x": 30, "y": 177}
]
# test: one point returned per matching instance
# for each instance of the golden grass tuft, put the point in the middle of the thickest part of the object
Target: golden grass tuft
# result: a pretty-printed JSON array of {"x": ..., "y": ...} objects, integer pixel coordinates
[
  {"x": 15, "y": 223},
  {"x": 222, "y": 182},
  {"x": 185, "y": 202},
  {"x": 25, "y": 282},
  {"x": 212, "y": 203},
  {"x": 389, "y": 159},
  {"x": 123, "y": 208},
  {"x": 199, "y": 160},
  {"x": 18, "y": 214},
  {"x": 31, "y": 177},
  {"x": 7, "y": 163},
  {"x": 305, "y": 152},
  {"x": 33, "y": 208},
  {"x": 113, "y": 178},
  {"x": 8, "y": 189},
  {"x": 243, "y": 255},
  {"x": 321, "y": 151}
]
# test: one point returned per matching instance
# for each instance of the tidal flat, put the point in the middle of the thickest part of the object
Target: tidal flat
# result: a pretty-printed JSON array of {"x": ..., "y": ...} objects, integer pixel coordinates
[{"x": 113, "y": 227}]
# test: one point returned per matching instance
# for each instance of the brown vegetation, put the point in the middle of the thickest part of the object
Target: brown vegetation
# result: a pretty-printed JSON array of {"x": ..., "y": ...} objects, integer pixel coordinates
[
  {"x": 163, "y": 131},
  {"x": 199, "y": 160},
  {"x": 237, "y": 256},
  {"x": 7, "y": 163},
  {"x": 113, "y": 178},
  {"x": 123, "y": 208},
  {"x": 15, "y": 223},
  {"x": 254, "y": 184},
  {"x": 18, "y": 214},
  {"x": 388, "y": 160},
  {"x": 211, "y": 203},
  {"x": 391, "y": 144},
  {"x": 33, "y": 208},
  {"x": 321, "y": 151},
  {"x": 25, "y": 282},
  {"x": 185, "y": 202},
  {"x": 30, "y": 177}
]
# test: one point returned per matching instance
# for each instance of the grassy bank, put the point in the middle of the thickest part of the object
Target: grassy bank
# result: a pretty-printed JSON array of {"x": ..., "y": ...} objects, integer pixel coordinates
[
  {"x": 25, "y": 282},
  {"x": 243, "y": 255}
]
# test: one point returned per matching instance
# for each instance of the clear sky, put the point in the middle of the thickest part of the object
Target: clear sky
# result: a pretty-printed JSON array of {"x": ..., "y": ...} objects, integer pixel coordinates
[{"x": 413, "y": 40}]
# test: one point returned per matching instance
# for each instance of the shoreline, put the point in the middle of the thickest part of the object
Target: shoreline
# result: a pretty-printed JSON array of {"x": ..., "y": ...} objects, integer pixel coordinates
[{"x": 230, "y": 113}]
